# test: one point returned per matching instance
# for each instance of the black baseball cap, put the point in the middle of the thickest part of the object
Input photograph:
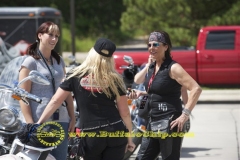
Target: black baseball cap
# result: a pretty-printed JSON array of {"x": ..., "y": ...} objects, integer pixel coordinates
[{"x": 104, "y": 47}]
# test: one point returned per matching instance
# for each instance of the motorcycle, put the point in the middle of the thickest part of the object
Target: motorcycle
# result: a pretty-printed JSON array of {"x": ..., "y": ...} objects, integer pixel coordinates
[
  {"x": 72, "y": 63},
  {"x": 11, "y": 118},
  {"x": 139, "y": 124},
  {"x": 7, "y": 52}
]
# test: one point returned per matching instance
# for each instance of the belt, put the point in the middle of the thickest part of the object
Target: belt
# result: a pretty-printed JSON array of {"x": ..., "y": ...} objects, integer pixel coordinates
[{"x": 104, "y": 125}]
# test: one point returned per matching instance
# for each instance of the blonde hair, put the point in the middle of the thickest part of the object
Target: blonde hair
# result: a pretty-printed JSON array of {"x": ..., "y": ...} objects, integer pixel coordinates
[{"x": 103, "y": 70}]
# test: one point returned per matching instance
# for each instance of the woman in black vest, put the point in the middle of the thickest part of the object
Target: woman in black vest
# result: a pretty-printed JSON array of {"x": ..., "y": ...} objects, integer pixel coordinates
[
  {"x": 102, "y": 103},
  {"x": 163, "y": 79}
]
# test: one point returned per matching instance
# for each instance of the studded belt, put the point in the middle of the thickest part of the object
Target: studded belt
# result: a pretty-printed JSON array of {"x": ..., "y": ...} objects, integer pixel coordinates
[{"x": 101, "y": 126}]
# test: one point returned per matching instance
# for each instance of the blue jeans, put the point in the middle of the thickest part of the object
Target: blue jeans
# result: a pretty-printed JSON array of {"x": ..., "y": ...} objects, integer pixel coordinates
[{"x": 60, "y": 153}]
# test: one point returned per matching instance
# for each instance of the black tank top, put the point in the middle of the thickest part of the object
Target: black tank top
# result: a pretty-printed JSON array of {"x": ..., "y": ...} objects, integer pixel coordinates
[{"x": 164, "y": 92}]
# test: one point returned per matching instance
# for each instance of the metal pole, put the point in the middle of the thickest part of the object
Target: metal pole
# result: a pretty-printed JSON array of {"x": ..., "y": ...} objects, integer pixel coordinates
[{"x": 72, "y": 11}]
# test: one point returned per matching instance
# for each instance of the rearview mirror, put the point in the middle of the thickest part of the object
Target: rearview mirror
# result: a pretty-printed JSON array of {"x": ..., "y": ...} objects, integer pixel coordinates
[
  {"x": 128, "y": 59},
  {"x": 35, "y": 77}
]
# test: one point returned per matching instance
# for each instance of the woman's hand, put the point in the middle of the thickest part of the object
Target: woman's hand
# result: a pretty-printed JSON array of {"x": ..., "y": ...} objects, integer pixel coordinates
[
  {"x": 71, "y": 127},
  {"x": 134, "y": 94},
  {"x": 179, "y": 122},
  {"x": 130, "y": 146},
  {"x": 151, "y": 59}
]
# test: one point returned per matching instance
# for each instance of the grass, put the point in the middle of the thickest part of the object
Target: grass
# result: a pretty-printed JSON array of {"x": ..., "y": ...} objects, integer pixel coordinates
[{"x": 81, "y": 45}]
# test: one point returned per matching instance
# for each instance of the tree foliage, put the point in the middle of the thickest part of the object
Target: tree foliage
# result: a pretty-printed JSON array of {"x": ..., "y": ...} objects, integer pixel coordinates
[{"x": 182, "y": 19}]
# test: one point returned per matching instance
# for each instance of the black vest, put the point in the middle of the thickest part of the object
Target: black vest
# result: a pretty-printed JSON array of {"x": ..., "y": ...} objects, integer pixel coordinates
[{"x": 164, "y": 92}]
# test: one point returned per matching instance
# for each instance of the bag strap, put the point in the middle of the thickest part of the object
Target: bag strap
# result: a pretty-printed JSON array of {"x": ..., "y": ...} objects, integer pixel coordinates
[{"x": 53, "y": 80}]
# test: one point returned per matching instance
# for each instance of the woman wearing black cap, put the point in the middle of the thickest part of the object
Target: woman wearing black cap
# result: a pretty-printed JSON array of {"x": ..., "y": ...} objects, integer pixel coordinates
[
  {"x": 163, "y": 79},
  {"x": 101, "y": 99}
]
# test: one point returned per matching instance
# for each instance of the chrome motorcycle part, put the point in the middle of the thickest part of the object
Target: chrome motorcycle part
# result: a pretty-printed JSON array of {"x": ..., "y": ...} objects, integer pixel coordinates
[
  {"x": 35, "y": 77},
  {"x": 11, "y": 118},
  {"x": 8, "y": 116}
]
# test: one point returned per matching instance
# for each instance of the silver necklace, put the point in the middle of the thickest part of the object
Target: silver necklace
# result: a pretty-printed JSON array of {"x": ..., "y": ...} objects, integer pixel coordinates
[{"x": 48, "y": 60}]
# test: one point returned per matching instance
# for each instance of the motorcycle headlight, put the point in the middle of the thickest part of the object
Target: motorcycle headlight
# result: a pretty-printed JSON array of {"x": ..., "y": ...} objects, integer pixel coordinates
[{"x": 8, "y": 116}]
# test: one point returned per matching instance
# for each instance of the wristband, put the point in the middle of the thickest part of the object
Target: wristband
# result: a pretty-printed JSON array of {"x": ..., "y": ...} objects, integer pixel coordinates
[
  {"x": 186, "y": 111},
  {"x": 185, "y": 115}
]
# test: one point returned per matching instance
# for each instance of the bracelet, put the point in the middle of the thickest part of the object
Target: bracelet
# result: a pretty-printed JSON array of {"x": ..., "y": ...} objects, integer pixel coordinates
[
  {"x": 184, "y": 114},
  {"x": 186, "y": 111}
]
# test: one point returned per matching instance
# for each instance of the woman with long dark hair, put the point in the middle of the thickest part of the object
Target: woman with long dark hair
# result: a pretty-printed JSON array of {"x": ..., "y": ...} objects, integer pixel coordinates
[
  {"x": 164, "y": 80},
  {"x": 43, "y": 58}
]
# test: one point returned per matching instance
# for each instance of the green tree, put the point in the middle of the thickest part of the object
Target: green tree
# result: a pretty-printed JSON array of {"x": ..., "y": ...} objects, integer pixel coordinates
[
  {"x": 117, "y": 19},
  {"x": 182, "y": 19}
]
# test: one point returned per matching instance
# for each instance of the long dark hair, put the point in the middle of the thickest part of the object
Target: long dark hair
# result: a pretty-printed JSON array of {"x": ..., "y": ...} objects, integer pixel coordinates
[
  {"x": 169, "y": 43},
  {"x": 46, "y": 27}
]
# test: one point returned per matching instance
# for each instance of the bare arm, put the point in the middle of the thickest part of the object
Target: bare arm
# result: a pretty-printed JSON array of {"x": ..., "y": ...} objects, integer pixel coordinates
[
  {"x": 125, "y": 115},
  {"x": 184, "y": 95},
  {"x": 124, "y": 112},
  {"x": 69, "y": 101},
  {"x": 26, "y": 109},
  {"x": 140, "y": 76},
  {"x": 54, "y": 104},
  {"x": 183, "y": 78},
  {"x": 70, "y": 109},
  {"x": 70, "y": 106}
]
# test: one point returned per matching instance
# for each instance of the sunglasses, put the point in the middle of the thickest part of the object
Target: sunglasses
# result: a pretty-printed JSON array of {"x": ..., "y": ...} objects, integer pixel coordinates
[{"x": 155, "y": 44}]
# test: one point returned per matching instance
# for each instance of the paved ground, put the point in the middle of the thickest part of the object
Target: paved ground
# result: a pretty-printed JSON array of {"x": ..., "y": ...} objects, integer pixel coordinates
[{"x": 216, "y": 129}]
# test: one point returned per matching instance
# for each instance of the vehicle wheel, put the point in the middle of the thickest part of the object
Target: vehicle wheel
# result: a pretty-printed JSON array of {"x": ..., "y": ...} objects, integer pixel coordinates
[{"x": 136, "y": 140}]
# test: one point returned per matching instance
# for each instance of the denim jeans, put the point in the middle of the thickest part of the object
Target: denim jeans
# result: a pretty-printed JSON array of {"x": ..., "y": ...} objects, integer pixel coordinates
[{"x": 60, "y": 153}]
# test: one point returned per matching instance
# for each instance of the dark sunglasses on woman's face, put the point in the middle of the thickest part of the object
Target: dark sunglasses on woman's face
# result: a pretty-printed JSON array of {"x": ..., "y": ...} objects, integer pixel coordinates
[{"x": 155, "y": 44}]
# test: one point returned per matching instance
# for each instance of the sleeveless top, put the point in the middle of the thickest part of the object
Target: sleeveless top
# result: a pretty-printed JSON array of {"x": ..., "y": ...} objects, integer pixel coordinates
[{"x": 164, "y": 92}]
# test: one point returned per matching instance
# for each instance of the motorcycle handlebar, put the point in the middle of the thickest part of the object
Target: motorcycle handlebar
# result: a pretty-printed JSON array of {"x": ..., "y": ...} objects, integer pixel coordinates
[
  {"x": 34, "y": 98},
  {"x": 24, "y": 94},
  {"x": 21, "y": 93}
]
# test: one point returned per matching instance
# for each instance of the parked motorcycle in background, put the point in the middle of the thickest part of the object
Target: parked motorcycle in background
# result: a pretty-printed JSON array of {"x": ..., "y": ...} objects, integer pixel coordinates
[
  {"x": 129, "y": 72},
  {"x": 7, "y": 52},
  {"x": 11, "y": 118},
  {"x": 72, "y": 63}
]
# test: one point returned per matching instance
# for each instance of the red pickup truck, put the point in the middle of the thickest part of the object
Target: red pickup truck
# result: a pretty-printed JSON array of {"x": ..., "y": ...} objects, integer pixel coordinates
[{"x": 215, "y": 61}]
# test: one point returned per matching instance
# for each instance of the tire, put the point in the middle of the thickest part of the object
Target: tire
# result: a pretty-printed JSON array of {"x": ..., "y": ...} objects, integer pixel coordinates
[{"x": 136, "y": 140}]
